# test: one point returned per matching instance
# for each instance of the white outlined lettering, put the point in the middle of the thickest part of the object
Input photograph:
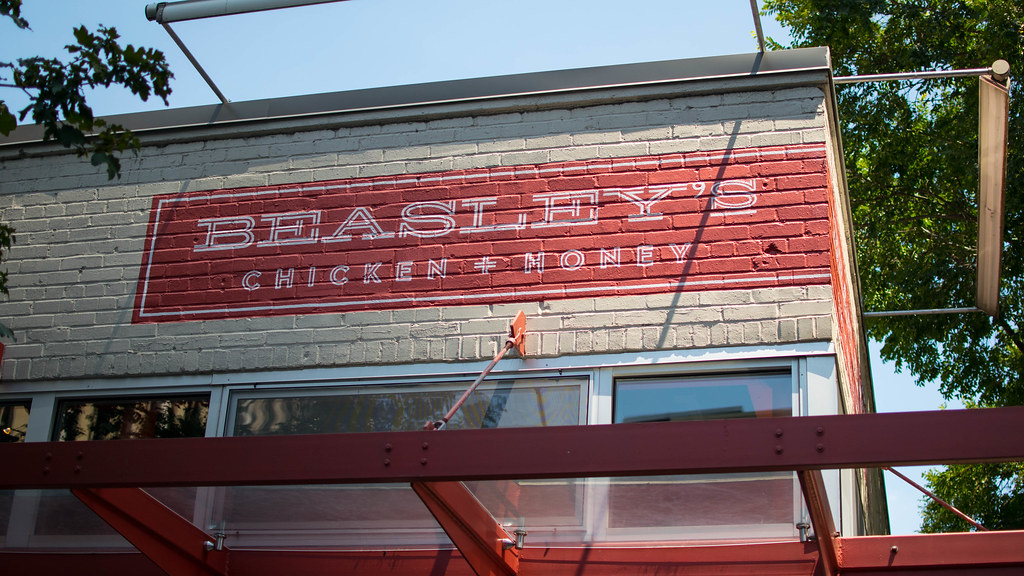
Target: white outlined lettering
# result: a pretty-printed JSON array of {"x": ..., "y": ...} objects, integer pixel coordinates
[
  {"x": 565, "y": 208},
  {"x": 221, "y": 231}
]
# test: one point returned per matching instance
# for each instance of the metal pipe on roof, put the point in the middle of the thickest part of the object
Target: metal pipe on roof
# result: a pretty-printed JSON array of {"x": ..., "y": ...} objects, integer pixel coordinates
[
  {"x": 922, "y": 75},
  {"x": 166, "y": 12}
]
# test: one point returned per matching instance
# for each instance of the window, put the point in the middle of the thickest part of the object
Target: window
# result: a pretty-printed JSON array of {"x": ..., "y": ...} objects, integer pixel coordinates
[
  {"x": 392, "y": 515},
  {"x": 703, "y": 506},
  {"x": 13, "y": 425},
  {"x": 61, "y": 514}
]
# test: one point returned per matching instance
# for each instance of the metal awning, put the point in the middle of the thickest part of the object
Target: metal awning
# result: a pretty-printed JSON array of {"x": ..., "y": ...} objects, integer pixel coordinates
[{"x": 109, "y": 476}]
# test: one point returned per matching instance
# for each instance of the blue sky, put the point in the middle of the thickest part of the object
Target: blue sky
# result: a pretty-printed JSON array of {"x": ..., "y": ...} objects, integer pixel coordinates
[{"x": 368, "y": 43}]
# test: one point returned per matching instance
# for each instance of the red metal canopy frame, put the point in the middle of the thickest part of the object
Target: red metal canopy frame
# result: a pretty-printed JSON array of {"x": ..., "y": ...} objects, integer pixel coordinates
[{"x": 109, "y": 476}]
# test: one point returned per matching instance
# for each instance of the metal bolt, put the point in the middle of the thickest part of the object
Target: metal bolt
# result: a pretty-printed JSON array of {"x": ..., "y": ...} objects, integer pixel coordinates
[
  {"x": 894, "y": 549},
  {"x": 425, "y": 446},
  {"x": 48, "y": 457},
  {"x": 423, "y": 461},
  {"x": 778, "y": 449},
  {"x": 80, "y": 455},
  {"x": 778, "y": 432},
  {"x": 820, "y": 447},
  {"x": 387, "y": 447},
  {"x": 387, "y": 461},
  {"x": 820, "y": 431},
  {"x": 208, "y": 545},
  {"x": 78, "y": 469},
  {"x": 46, "y": 470}
]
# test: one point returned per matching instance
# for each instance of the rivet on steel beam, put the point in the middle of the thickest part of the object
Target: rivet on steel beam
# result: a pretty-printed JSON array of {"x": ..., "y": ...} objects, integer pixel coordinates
[
  {"x": 894, "y": 549},
  {"x": 820, "y": 447},
  {"x": 46, "y": 470},
  {"x": 48, "y": 457},
  {"x": 778, "y": 432},
  {"x": 425, "y": 445},
  {"x": 821, "y": 431},
  {"x": 423, "y": 461},
  {"x": 387, "y": 461},
  {"x": 387, "y": 447},
  {"x": 80, "y": 455},
  {"x": 78, "y": 469},
  {"x": 778, "y": 449}
]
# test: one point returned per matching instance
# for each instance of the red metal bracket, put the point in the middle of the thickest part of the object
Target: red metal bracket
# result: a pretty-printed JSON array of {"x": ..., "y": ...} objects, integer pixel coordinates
[
  {"x": 517, "y": 333},
  {"x": 481, "y": 540},
  {"x": 174, "y": 544}
]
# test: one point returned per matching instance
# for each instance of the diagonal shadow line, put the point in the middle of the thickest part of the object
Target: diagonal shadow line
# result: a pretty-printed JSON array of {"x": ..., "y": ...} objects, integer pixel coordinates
[{"x": 688, "y": 264}]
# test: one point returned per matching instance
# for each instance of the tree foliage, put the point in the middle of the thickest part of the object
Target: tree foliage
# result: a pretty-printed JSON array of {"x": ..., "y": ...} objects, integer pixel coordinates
[
  {"x": 57, "y": 98},
  {"x": 911, "y": 160},
  {"x": 56, "y": 89}
]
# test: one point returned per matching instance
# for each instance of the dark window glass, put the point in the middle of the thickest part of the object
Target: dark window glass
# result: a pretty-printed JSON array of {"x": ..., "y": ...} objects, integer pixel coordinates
[
  {"x": 118, "y": 419},
  {"x": 13, "y": 421}
]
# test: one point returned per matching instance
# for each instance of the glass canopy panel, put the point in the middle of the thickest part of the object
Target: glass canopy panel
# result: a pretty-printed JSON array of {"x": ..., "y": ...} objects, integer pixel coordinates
[
  {"x": 57, "y": 517},
  {"x": 375, "y": 515}
]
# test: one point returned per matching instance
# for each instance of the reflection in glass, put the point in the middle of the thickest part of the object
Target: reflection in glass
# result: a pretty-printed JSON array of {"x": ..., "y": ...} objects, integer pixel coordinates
[
  {"x": 717, "y": 506},
  {"x": 391, "y": 515},
  {"x": 362, "y": 409},
  {"x": 13, "y": 421},
  {"x": 60, "y": 515},
  {"x": 113, "y": 419}
]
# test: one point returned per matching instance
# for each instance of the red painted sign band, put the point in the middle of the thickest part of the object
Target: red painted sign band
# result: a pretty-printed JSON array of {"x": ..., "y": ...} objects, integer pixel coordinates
[{"x": 701, "y": 221}]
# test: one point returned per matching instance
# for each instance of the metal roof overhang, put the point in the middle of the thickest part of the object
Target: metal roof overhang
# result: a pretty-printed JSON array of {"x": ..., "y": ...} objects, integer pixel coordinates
[
  {"x": 108, "y": 477},
  {"x": 418, "y": 96}
]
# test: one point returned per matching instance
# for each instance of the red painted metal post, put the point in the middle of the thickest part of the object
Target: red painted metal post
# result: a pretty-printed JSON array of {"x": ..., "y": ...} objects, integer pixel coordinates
[
  {"x": 481, "y": 540},
  {"x": 174, "y": 544},
  {"x": 516, "y": 339},
  {"x": 813, "y": 486}
]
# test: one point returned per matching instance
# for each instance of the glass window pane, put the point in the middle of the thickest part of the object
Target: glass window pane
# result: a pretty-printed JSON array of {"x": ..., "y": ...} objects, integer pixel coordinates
[
  {"x": 378, "y": 515},
  {"x": 60, "y": 514},
  {"x": 120, "y": 418},
  {"x": 380, "y": 409},
  {"x": 757, "y": 505}
]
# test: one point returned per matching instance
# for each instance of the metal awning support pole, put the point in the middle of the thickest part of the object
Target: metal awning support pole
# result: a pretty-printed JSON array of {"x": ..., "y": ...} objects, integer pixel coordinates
[
  {"x": 757, "y": 25},
  {"x": 164, "y": 12},
  {"x": 938, "y": 500},
  {"x": 516, "y": 339},
  {"x": 195, "y": 64},
  {"x": 486, "y": 546}
]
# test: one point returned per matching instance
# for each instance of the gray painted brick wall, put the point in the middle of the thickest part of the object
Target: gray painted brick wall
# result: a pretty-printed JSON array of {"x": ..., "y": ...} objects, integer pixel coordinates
[{"x": 80, "y": 238}]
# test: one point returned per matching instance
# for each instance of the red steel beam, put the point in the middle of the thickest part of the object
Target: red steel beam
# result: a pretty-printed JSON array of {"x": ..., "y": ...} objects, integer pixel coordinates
[
  {"x": 477, "y": 535},
  {"x": 977, "y": 553},
  {"x": 714, "y": 446},
  {"x": 174, "y": 544},
  {"x": 813, "y": 486}
]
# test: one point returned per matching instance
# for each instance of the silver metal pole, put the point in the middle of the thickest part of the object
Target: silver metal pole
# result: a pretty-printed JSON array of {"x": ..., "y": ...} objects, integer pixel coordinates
[
  {"x": 923, "y": 75},
  {"x": 757, "y": 25},
  {"x": 165, "y": 12},
  {"x": 925, "y": 312},
  {"x": 195, "y": 63}
]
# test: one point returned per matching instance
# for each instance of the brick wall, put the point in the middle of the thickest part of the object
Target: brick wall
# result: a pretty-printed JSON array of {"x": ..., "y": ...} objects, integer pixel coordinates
[{"x": 74, "y": 271}]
